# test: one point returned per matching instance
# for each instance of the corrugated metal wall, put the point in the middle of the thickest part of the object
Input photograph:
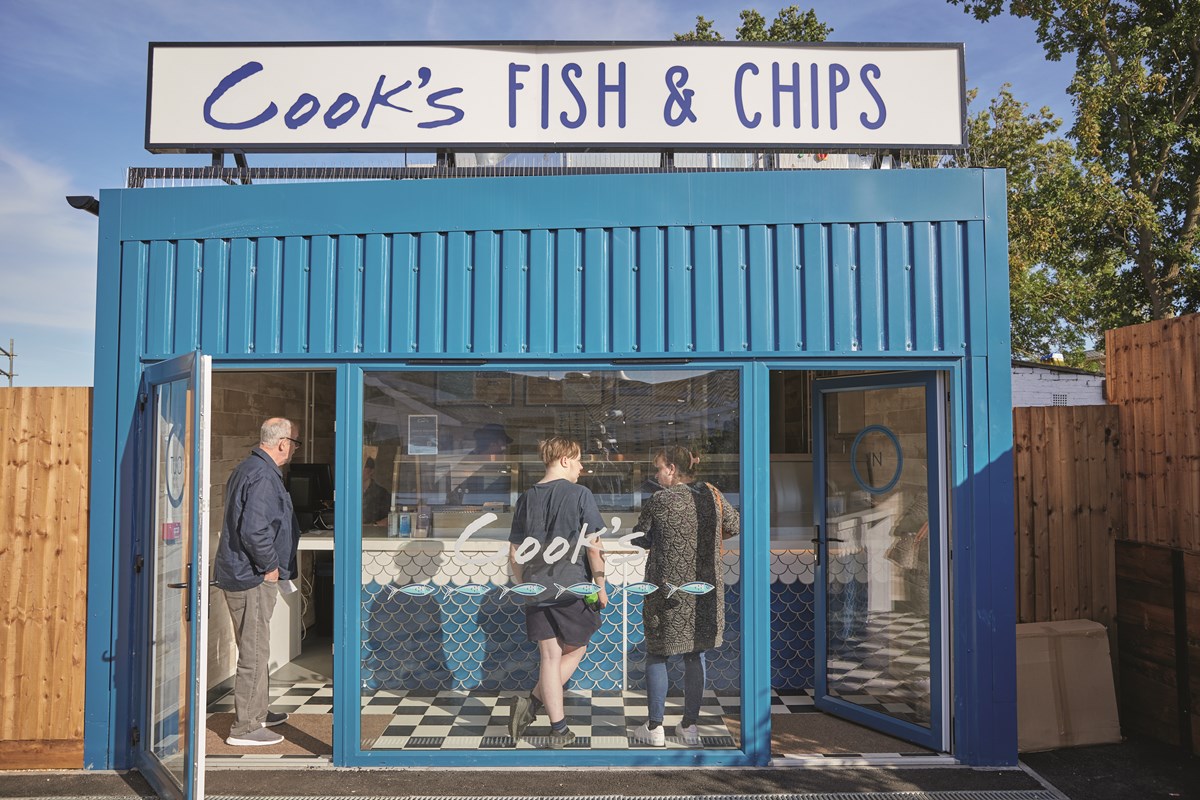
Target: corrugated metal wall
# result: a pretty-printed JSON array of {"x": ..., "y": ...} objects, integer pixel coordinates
[
  {"x": 875, "y": 288},
  {"x": 867, "y": 267}
]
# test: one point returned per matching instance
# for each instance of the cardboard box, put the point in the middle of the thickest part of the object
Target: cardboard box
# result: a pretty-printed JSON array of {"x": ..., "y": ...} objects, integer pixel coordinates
[{"x": 1065, "y": 694}]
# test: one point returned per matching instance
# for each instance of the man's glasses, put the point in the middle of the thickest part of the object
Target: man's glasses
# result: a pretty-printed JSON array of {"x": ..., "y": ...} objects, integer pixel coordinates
[{"x": 295, "y": 442}]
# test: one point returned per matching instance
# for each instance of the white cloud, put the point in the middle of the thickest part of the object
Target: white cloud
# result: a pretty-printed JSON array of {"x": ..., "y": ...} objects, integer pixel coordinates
[{"x": 48, "y": 264}]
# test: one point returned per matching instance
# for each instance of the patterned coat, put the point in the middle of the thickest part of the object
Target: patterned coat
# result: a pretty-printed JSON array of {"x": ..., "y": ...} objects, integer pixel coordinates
[{"x": 684, "y": 537}]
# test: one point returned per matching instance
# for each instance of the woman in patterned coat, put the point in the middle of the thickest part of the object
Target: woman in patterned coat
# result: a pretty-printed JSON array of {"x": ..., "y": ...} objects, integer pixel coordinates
[{"x": 682, "y": 527}]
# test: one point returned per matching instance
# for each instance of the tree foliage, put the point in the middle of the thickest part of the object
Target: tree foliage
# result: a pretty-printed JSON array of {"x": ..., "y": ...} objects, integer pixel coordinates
[
  {"x": 790, "y": 25},
  {"x": 1136, "y": 92},
  {"x": 1055, "y": 284}
]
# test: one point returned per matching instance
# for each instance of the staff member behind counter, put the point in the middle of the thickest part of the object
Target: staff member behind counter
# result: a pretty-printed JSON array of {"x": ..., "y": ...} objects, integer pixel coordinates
[
  {"x": 484, "y": 484},
  {"x": 376, "y": 501}
]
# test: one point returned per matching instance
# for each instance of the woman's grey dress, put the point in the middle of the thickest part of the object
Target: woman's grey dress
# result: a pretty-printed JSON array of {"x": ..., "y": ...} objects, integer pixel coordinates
[{"x": 684, "y": 541}]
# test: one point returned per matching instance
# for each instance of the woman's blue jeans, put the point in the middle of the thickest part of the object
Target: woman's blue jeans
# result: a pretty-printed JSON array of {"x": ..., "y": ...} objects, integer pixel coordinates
[{"x": 694, "y": 676}]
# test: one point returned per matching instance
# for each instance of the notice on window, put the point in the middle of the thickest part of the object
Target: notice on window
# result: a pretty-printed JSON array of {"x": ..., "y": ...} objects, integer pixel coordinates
[{"x": 422, "y": 435}]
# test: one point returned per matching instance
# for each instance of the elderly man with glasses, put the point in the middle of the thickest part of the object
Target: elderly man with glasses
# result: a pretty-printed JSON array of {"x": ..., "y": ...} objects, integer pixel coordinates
[{"x": 256, "y": 550}]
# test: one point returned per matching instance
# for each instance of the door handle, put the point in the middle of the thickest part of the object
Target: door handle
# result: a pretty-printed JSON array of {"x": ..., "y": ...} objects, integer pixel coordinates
[{"x": 185, "y": 585}]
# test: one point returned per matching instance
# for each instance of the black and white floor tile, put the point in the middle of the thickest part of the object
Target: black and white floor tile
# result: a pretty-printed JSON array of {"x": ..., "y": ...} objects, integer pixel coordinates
[{"x": 884, "y": 668}]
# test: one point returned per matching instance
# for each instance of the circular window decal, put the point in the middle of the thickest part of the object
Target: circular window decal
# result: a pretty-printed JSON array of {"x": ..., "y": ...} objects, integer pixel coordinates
[
  {"x": 176, "y": 458},
  {"x": 876, "y": 459}
]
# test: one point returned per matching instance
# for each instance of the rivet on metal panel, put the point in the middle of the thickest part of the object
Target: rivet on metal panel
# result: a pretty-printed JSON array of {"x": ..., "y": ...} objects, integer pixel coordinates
[
  {"x": 251, "y": 347},
  {"x": 853, "y": 267},
  {"x": 635, "y": 347},
  {"x": 908, "y": 345},
  {"x": 691, "y": 346},
  {"x": 524, "y": 348},
  {"x": 908, "y": 266},
  {"x": 579, "y": 268}
]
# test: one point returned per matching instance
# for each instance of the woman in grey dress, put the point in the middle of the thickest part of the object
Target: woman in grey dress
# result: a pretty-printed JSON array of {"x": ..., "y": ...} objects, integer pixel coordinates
[{"x": 682, "y": 526}]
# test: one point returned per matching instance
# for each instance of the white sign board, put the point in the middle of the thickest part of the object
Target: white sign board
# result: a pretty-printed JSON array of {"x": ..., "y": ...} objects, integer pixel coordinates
[{"x": 495, "y": 96}]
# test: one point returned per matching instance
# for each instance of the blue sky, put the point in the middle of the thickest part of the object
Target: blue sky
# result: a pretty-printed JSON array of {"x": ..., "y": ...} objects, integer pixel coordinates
[{"x": 72, "y": 107}]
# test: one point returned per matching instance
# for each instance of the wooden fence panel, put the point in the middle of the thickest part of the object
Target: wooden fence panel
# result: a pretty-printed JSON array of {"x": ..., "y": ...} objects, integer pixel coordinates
[
  {"x": 1153, "y": 378},
  {"x": 1068, "y": 512},
  {"x": 1158, "y": 614},
  {"x": 45, "y": 436}
]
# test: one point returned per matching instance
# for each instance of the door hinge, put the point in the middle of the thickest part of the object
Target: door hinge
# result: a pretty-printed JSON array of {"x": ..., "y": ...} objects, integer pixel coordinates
[
  {"x": 135, "y": 736},
  {"x": 138, "y": 563},
  {"x": 143, "y": 397}
]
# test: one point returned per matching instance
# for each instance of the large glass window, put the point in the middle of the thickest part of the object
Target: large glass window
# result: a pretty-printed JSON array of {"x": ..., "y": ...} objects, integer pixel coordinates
[{"x": 446, "y": 659}]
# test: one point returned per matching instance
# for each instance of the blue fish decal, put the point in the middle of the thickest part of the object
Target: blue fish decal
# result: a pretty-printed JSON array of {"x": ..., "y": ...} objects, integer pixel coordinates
[
  {"x": 416, "y": 589},
  {"x": 473, "y": 589},
  {"x": 579, "y": 590},
  {"x": 695, "y": 587},
  {"x": 641, "y": 588},
  {"x": 525, "y": 589}
]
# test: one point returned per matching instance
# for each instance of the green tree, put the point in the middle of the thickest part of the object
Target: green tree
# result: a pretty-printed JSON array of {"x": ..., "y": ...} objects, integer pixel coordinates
[
  {"x": 1052, "y": 205},
  {"x": 1137, "y": 136},
  {"x": 790, "y": 25}
]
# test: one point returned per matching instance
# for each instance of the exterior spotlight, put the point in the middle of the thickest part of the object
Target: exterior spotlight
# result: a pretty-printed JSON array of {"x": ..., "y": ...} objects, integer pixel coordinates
[{"x": 84, "y": 202}]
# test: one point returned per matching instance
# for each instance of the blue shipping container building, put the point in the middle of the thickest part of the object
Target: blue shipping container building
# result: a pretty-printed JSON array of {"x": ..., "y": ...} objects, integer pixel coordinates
[{"x": 834, "y": 345}]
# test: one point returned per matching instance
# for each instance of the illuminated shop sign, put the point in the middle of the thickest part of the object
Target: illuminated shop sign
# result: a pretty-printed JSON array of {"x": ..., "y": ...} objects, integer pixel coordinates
[{"x": 308, "y": 97}]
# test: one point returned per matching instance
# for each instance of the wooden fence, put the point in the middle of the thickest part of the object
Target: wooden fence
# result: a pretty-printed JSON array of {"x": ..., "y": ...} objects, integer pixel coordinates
[
  {"x": 1068, "y": 512},
  {"x": 45, "y": 436},
  {"x": 1154, "y": 379},
  {"x": 1158, "y": 601}
]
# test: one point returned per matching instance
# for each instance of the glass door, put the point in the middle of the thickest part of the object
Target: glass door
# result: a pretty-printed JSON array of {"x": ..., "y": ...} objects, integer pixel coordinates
[
  {"x": 174, "y": 553},
  {"x": 879, "y": 466}
]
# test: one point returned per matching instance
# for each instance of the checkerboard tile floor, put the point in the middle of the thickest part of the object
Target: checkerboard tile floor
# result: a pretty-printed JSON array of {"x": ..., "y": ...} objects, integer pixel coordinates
[{"x": 885, "y": 668}]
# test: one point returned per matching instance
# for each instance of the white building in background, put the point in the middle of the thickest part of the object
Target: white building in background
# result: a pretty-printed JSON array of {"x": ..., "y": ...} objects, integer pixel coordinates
[{"x": 1039, "y": 384}]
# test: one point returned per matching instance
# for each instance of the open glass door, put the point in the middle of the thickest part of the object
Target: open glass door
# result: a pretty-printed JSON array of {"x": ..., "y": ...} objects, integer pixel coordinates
[
  {"x": 879, "y": 473},
  {"x": 175, "y": 439}
]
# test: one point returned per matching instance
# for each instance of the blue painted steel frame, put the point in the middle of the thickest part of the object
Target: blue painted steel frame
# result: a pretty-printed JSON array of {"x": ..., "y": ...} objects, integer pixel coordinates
[
  {"x": 756, "y": 745},
  {"x": 155, "y": 375},
  {"x": 936, "y": 443},
  {"x": 202, "y": 229}
]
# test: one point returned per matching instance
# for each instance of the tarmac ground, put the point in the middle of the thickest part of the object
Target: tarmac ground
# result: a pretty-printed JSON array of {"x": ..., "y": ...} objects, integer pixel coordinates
[{"x": 1132, "y": 770}]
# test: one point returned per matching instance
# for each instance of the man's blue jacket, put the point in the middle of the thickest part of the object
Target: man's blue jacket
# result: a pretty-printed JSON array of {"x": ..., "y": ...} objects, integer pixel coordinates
[{"x": 260, "y": 532}]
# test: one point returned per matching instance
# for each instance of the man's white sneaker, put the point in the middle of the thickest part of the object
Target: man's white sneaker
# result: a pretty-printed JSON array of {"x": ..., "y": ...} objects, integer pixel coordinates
[
  {"x": 689, "y": 735},
  {"x": 256, "y": 738},
  {"x": 656, "y": 737}
]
